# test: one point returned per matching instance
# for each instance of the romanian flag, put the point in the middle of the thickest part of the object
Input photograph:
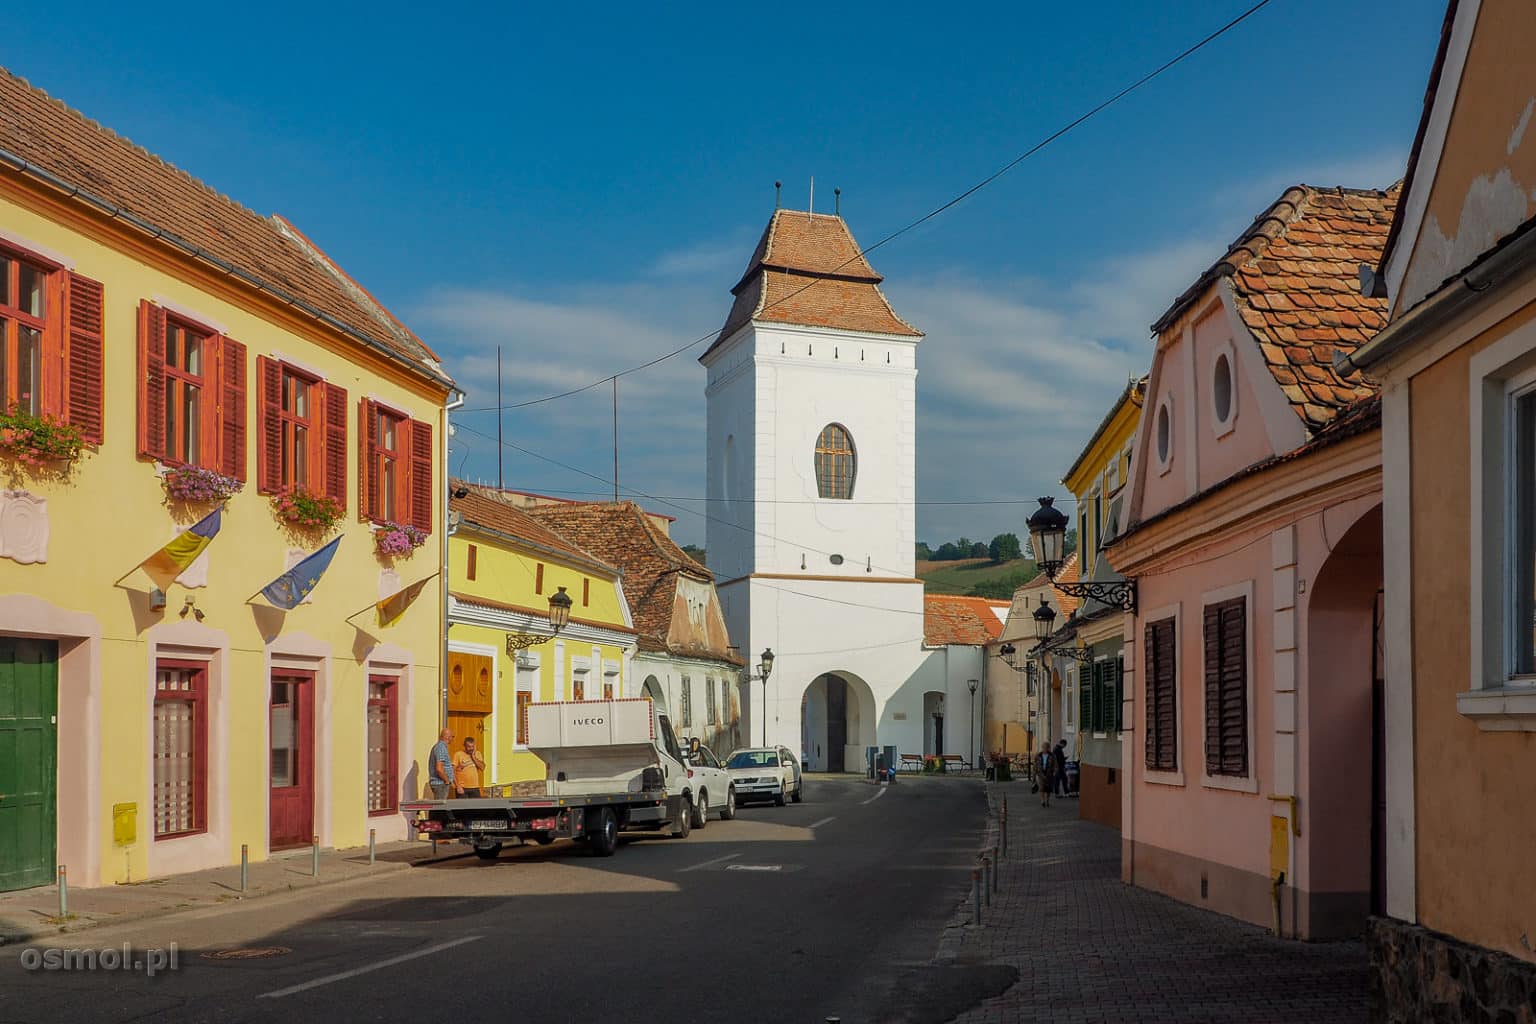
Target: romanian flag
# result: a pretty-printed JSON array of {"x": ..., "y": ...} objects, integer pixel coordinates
[
  {"x": 392, "y": 607},
  {"x": 172, "y": 560},
  {"x": 294, "y": 585}
]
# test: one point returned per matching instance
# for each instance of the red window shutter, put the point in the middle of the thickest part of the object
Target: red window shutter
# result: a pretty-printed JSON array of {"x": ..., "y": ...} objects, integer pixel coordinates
[
  {"x": 335, "y": 452},
  {"x": 151, "y": 380},
  {"x": 269, "y": 403},
  {"x": 367, "y": 468},
  {"x": 231, "y": 449},
  {"x": 421, "y": 475},
  {"x": 83, "y": 355},
  {"x": 1212, "y": 636},
  {"x": 473, "y": 553}
]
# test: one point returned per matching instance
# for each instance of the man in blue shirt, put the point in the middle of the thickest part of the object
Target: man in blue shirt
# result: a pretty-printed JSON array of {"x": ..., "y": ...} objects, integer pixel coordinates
[{"x": 440, "y": 767}]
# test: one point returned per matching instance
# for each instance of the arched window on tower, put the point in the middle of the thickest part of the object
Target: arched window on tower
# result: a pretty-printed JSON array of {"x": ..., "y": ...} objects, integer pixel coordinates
[{"x": 836, "y": 462}]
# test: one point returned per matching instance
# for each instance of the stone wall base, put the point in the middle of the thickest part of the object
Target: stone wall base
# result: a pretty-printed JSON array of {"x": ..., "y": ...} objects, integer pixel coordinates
[{"x": 1420, "y": 975}]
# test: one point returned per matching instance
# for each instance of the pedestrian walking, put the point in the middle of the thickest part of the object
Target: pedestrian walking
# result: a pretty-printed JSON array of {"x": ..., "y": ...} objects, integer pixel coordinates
[
  {"x": 467, "y": 766},
  {"x": 1059, "y": 767},
  {"x": 440, "y": 766},
  {"x": 1046, "y": 769}
]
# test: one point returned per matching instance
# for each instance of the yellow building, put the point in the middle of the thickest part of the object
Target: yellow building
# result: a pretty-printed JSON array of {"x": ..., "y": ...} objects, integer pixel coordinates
[
  {"x": 1097, "y": 480},
  {"x": 504, "y": 566},
  {"x": 150, "y": 726}
]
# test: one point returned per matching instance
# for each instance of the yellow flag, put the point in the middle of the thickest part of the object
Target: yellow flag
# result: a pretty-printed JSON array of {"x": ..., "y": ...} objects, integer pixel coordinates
[{"x": 392, "y": 607}]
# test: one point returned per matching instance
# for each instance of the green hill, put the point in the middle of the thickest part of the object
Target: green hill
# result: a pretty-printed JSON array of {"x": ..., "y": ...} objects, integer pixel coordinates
[{"x": 976, "y": 577}]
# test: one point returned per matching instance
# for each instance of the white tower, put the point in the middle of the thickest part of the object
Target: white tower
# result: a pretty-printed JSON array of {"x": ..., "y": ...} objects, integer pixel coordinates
[{"x": 812, "y": 440}]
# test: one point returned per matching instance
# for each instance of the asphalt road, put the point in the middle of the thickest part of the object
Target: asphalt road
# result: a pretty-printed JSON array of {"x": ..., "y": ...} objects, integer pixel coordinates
[{"x": 831, "y": 907}]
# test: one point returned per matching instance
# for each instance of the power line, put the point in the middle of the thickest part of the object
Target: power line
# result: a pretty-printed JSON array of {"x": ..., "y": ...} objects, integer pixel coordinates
[
  {"x": 930, "y": 215},
  {"x": 792, "y": 501}
]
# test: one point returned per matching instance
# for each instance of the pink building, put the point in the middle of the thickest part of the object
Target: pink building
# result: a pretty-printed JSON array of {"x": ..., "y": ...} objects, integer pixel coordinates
[{"x": 1253, "y": 532}]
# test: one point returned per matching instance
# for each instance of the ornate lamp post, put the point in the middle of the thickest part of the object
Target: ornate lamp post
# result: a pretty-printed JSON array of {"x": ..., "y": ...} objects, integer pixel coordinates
[
  {"x": 764, "y": 670},
  {"x": 1047, "y": 536},
  {"x": 559, "y": 617},
  {"x": 972, "y": 684}
]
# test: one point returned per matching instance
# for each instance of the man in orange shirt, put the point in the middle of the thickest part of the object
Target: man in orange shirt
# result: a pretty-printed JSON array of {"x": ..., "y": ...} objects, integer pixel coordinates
[{"x": 467, "y": 766}]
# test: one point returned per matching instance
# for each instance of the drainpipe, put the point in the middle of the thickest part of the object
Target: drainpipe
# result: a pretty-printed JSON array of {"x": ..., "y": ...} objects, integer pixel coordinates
[{"x": 456, "y": 402}]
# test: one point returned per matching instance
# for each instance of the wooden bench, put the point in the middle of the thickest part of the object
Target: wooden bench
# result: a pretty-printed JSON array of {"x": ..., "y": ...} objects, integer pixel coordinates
[
  {"x": 910, "y": 762},
  {"x": 952, "y": 761}
]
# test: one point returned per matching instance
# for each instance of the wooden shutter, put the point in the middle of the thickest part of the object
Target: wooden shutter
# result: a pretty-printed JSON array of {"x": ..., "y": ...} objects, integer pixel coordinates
[
  {"x": 1226, "y": 688},
  {"x": 334, "y": 442},
  {"x": 367, "y": 467},
  {"x": 1085, "y": 688},
  {"x": 83, "y": 344},
  {"x": 151, "y": 384},
  {"x": 1159, "y": 686},
  {"x": 269, "y": 402},
  {"x": 1112, "y": 695},
  {"x": 230, "y": 457},
  {"x": 420, "y": 475}
]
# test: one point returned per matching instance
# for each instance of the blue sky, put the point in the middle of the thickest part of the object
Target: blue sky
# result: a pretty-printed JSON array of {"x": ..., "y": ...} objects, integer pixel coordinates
[{"x": 582, "y": 185}]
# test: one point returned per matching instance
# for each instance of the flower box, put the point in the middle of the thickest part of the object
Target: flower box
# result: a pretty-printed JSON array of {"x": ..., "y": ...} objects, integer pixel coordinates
[
  {"x": 395, "y": 539},
  {"x": 38, "y": 440},
  {"x": 200, "y": 485},
  {"x": 303, "y": 508}
]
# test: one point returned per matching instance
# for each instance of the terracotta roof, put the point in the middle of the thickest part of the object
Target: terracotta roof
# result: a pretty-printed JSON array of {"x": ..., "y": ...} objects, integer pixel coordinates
[
  {"x": 513, "y": 522},
  {"x": 1295, "y": 278},
  {"x": 809, "y": 270},
  {"x": 266, "y": 253},
  {"x": 967, "y": 621},
  {"x": 624, "y": 534}
]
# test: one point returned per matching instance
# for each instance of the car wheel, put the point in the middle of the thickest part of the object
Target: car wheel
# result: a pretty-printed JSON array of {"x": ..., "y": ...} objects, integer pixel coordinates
[
  {"x": 490, "y": 852},
  {"x": 799, "y": 792},
  {"x": 778, "y": 798},
  {"x": 604, "y": 837},
  {"x": 701, "y": 810},
  {"x": 728, "y": 812},
  {"x": 682, "y": 826}
]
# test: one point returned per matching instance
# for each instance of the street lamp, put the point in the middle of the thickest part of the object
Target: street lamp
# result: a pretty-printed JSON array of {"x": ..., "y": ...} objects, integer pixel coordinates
[
  {"x": 973, "y": 683},
  {"x": 1044, "y": 616},
  {"x": 1047, "y": 536},
  {"x": 764, "y": 670},
  {"x": 1010, "y": 654},
  {"x": 559, "y": 617}
]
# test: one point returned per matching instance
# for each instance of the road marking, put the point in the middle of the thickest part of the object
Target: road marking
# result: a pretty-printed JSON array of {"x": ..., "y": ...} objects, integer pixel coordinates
[
  {"x": 377, "y": 965},
  {"x": 707, "y": 863},
  {"x": 754, "y": 867},
  {"x": 823, "y": 821},
  {"x": 877, "y": 796}
]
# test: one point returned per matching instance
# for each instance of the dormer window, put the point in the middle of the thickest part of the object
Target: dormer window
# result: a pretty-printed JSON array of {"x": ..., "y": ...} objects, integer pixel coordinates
[{"x": 836, "y": 462}]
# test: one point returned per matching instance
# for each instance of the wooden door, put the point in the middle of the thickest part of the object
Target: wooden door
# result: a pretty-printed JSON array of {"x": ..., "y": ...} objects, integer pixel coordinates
[
  {"x": 29, "y": 704},
  {"x": 468, "y": 723},
  {"x": 292, "y": 746}
]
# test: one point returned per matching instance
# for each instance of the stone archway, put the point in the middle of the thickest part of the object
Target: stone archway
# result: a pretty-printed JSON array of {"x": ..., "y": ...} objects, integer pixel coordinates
[
  {"x": 655, "y": 692},
  {"x": 837, "y": 722}
]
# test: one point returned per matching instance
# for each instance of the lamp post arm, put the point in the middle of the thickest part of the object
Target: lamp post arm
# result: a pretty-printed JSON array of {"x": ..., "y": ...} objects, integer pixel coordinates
[{"x": 1117, "y": 594}]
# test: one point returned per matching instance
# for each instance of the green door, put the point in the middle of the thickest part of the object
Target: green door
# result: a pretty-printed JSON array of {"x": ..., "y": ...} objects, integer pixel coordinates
[{"x": 29, "y": 704}]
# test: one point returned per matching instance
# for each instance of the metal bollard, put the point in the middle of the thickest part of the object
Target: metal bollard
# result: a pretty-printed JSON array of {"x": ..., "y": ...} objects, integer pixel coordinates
[
  {"x": 976, "y": 892},
  {"x": 1005, "y": 828},
  {"x": 245, "y": 868},
  {"x": 63, "y": 892},
  {"x": 994, "y": 869},
  {"x": 986, "y": 877},
  {"x": 1005, "y": 806},
  {"x": 373, "y": 835},
  {"x": 314, "y": 856}
]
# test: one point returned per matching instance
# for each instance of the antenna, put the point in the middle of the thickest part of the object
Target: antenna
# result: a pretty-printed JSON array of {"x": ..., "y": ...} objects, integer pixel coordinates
[
  {"x": 837, "y": 201},
  {"x": 776, "y": 187},
  {"x": 500, "y": 448},
  {"x": 813, "y": 197}
]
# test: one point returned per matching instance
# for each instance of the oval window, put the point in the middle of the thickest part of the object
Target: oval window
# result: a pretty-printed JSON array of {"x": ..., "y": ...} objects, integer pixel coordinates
[
  {"x": 1164, "y": 433},
  {"x": 1221, "y": 388},
  {"x": 836, "y": 462},
  {"x": 837, "y": 559}
]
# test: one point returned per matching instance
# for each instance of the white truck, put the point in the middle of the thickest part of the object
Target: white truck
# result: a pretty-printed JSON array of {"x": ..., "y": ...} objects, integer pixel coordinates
[{"x": 610, "y": 765}]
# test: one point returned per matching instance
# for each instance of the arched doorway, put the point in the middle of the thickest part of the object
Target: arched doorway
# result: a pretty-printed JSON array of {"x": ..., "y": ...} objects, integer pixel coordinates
[
  {"x": 837, "y": 722},
  {"x": 1344, "y": 707},
  {"x": 652, "y": 689},
  {"x": 933, "y": 723}
]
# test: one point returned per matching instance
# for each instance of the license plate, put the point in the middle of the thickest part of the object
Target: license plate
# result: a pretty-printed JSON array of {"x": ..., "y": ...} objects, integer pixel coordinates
[
  {"x": 542, "y": 824},
  {"x": 477, "y": 825}
]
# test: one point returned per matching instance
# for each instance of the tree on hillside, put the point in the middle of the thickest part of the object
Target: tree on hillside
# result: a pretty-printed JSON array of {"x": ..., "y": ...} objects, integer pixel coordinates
[
  {"x": 978, "y": 550},
  {"x": 1005, "y": 548},
  {"x": 695, "y": 552},
  {"x": 924, "y": 552},
  {"x": 947, "y": 552}
]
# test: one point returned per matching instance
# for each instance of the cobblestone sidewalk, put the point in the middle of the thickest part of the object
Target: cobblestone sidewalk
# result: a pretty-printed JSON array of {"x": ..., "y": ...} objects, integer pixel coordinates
[{"x": 1090, "y": 948}]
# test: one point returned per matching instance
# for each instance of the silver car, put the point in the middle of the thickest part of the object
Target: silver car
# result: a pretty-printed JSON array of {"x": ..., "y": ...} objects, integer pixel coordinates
[{"x": 766, "y": 773}]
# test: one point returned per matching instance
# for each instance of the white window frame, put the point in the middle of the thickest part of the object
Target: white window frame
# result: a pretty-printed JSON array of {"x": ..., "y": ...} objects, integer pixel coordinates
[
  {"x": 1223, "y": 427},
  {"x": 1239, "y": 783},
  {"x": 1165, "y": 465},
  {"x": 1181, "y": 750},
  {"x": 526, "y": 669},
  {"x": 1496, "y": 698}
]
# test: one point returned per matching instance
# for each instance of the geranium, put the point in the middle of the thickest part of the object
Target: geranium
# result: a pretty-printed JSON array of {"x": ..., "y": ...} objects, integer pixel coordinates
[
  {"x": 195, "y": 483},
  {"x": 398, "y": 539},
  {"x": 38, "y": 440},
  {"x": 302, "y": 507}
]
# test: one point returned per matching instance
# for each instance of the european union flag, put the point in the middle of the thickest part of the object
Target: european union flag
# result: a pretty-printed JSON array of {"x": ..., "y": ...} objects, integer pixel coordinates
[{"x": 294, "y": 585}]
